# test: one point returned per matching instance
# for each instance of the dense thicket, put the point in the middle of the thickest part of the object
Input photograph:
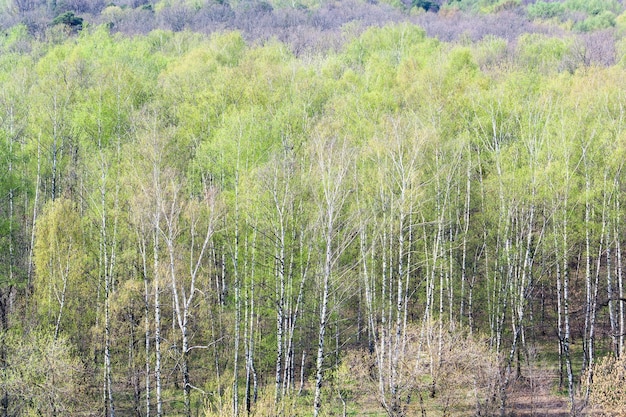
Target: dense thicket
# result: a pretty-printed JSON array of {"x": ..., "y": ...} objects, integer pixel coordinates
[{"x": 193, "y": 223}]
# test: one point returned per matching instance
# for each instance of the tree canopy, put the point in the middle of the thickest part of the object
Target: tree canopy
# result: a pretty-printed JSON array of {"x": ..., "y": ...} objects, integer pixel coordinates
[{"x": 229, "y": 222}]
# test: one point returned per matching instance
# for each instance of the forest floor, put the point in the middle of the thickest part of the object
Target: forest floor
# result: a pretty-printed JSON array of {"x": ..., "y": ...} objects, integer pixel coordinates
[{"x": 535, "y": 394}]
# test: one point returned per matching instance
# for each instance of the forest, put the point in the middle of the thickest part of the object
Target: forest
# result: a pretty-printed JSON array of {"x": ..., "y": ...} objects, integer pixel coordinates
[{"x": 306, "y": 208}]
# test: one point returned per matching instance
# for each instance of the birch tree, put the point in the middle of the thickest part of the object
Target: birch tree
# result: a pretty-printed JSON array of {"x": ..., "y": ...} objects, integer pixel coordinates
[
  {"x": 189, "y": 225},
  {"x": 330, "y": 159},
  {"x": 60, "y": 262}
]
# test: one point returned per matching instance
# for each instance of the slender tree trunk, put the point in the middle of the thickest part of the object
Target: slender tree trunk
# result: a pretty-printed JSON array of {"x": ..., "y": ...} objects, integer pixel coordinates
[
  {"x": 620, "y": 282},
  {"x": 11, "y": 191},
  {"x": 302, "y": 365},
  {"x": 332, "y": 198},
  {"x": 34, "y": 221},
  {"x": 317, "y": 402},
  {"x": 146, "y": 300},
  {"x": 588, "y": 289},
  {"x": 559, "y": 307},
  {"x": 64, "y": 272},
  {"x": 399, "y": 313},
  {"x": 594, "y": 304},
  {"x": 296, "y": 313},
  {"x": 280, "y": 301},
  {"x": 407, "y": 282},
  {"x": 384, "y": 330},
  {"x": 379, "y": 349},
  {"x": 564, "y": 254},
  {"x": 107, "y": 253},
  {"x": 237, "y": 289},
  {"x": 157, "y": 313},
  {"x": 171, "y": 218},
  {"x": 610, "y": 294},
  {"x": 464, "y": 255},
  {"x": 55, "y": 151},
  {"x": 567, "y": 336},
  {"x": 250, "y": 314},
  {"x": 107, "y": 349}
]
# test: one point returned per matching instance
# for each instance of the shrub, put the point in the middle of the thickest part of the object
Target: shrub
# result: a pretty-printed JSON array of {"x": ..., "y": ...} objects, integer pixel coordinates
[
  {"x": 608, "y": 389},
  {"x": 43, "y": 376},
  {"x": 446, "y": 370}
]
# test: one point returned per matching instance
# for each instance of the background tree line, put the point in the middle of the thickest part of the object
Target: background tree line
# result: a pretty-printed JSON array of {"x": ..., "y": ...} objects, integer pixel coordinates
[
  {"x": 195, "y": 223},
  {"x": 314, "y": 26}
]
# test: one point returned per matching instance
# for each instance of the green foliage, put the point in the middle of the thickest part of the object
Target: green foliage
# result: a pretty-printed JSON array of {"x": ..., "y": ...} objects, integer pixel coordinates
[
  {"x": 541, "y": 53},
  {"x": 598, "y": 14},
  {"x": 449, "y": 159},
  {"x": 594, "y": 7},
  {"x": 545, "y": 10},
  {"x": 602, "y": 20},
  {"x": 70, "y": 20},
  {"x": 465, "y": 5},
  {"x": 15, "y": 39},
  {"x": 388, "y": 43},
  {"x": 62, "y": 285},
  {"x": 427, "y": 5},
  {"x": 461, "y": 63},
  {"x": 490, "y": 52},
  {"x": 502, "y": 5},
  {"x": 43, "y": 376},
  {"x": 483, "y": 6}
]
